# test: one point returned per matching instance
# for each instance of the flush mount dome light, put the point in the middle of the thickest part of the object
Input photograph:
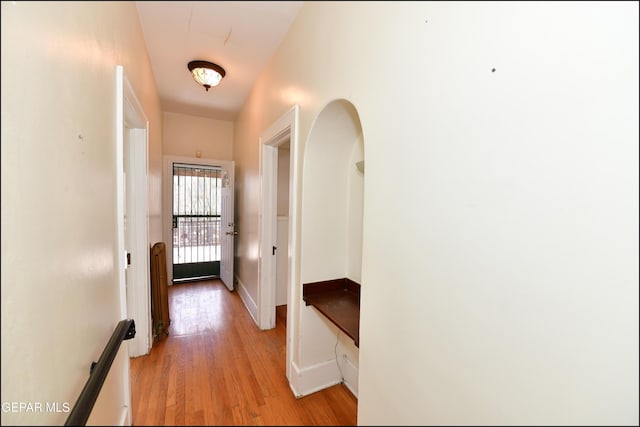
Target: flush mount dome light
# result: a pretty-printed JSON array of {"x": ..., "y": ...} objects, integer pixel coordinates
[{"x": 206, "y": 73}]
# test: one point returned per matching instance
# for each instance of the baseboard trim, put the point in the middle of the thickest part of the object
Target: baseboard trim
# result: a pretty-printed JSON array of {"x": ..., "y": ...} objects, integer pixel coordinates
[
  {"x": 314, "y": 378},
  {"x": 246, "y": 299},
  {"x": 350, "y": 374},
  {"x": 125, "y": 417}
]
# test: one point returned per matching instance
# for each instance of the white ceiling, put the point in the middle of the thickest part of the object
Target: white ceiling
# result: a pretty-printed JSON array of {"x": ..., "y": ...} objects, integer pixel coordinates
[{"x": 240, "y": 36}]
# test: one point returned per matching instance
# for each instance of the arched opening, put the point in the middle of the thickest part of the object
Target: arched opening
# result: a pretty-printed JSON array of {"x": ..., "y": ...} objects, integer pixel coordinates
[{"x": 332, "y": 210}]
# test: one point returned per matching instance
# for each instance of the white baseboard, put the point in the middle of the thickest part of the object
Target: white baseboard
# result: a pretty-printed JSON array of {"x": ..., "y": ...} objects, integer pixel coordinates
[
  {"x": 314, "y": 378},
  {"x": 246, "y": 299},
  {"x": 140, "y": 347},
  {"x": 350, "y": 374},
  {"x": 125, "y": 417}
]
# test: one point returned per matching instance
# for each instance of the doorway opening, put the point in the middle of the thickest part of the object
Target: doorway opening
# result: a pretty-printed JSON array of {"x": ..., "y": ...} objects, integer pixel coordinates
[
  {"x": 132, "y": 129},
  {"x": 279, "y": 145},
  {"x": 199, "y": 226},
  {"x": 197, "y": 191},
  {"x": 132, "y": 216},
  {"x": 282, "y": 229}
]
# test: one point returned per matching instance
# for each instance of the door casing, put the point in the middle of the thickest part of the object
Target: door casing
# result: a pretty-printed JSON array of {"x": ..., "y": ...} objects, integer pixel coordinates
[
  {"x": 284, "y": 129},
  {"x": 132, "y": 130}
]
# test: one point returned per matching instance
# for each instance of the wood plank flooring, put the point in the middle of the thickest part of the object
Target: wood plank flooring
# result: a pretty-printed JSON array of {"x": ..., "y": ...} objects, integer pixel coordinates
[{"x": 217, "y": 368}]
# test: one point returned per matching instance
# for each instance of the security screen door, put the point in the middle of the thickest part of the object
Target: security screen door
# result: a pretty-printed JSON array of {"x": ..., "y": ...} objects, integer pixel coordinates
[{"x": 197, "y": 197}]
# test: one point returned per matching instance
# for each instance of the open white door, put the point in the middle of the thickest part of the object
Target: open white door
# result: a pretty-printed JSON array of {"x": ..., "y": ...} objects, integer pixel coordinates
[
  {"x": 137, "y": 237},
  {"x": 228, "y": 225}
]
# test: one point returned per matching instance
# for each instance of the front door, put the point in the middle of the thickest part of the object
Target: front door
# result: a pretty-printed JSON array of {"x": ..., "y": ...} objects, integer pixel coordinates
[{"x": 197, "y": 210}]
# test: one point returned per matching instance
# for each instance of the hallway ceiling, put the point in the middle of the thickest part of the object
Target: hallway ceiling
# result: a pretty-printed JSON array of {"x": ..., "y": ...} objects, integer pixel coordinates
[{"x": 240, "y": 36}]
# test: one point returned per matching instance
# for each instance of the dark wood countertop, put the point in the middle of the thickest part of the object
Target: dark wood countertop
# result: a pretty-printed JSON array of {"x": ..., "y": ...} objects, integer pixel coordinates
[{"x": 339, "y": 301}]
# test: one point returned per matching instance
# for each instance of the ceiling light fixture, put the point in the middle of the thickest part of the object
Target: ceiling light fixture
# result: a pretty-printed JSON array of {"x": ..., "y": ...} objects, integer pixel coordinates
[{"x": 206, "y": 73}]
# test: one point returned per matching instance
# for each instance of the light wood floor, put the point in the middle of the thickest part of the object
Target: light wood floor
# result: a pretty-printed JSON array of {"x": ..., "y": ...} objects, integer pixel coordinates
[{"x": 217, "y": 368}]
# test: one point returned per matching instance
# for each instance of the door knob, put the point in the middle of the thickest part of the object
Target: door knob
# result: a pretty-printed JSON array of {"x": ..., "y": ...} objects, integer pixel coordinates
[{"x": 232, "y": 233}]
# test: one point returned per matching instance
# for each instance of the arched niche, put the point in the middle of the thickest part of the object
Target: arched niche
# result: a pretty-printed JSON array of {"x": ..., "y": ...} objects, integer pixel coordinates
[
  {"x": 331, "y": 243},
  {"x": 331, "y": 250},
  {"x": 332, "y": 201}
]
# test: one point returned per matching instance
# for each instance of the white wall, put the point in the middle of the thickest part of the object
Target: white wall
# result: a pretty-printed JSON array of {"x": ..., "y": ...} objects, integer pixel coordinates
[
  {"x": 60, "y": 295},
  {"x": 283, "y": 180},
  {"x": 355, "y": 207},
  {"x": 186, "y": 135},
  {"x": 325, "y": 199},
  {"x": 500, "y": 251}
]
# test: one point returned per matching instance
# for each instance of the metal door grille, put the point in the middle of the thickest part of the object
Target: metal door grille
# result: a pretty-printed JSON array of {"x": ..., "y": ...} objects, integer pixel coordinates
[{"x": 196, "y": 221}]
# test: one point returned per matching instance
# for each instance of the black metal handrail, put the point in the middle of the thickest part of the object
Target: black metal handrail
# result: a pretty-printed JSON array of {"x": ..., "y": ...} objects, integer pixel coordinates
[{"x": 125, "y": 330}]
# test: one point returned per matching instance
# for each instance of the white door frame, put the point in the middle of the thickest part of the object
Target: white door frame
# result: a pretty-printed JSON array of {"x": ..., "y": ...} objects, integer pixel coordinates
[
  {"x": 167, "y": 179},
  {"x": 132, "y": 130},
  {"x": 284, "y": 129}
]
